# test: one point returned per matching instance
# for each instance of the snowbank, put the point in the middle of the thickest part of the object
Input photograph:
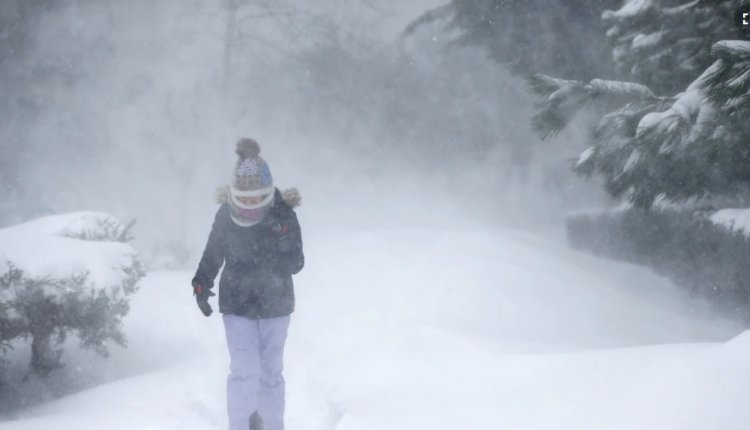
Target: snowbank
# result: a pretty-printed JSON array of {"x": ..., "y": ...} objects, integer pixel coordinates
[
  {"x": 62, "y": 274},
  {"x": 59, "y": 246},
  {"x": 430, "y": 328}
]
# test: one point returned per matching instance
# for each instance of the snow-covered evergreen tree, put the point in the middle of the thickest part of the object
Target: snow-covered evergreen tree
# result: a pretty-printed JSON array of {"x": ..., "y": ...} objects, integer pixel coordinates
[
  {"x": 695, "y": 144},
  {"x": 532, "y": 36},
  {"x": 666, "y": 44},
  {"x": 649, "y": 143}
]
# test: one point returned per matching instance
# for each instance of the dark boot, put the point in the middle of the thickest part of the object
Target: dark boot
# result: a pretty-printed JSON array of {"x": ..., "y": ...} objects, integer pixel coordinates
[{"x": 256, "y": 423}]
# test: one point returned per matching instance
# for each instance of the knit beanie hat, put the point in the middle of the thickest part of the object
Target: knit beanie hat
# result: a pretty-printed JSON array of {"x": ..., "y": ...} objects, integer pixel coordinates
[{"x": 251, "y": 177}]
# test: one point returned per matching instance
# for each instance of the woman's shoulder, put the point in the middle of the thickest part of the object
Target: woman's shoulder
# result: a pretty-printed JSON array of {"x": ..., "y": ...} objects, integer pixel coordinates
[
  {"x": 222, "y": 212},
  {"x": 290, "y": 197}
]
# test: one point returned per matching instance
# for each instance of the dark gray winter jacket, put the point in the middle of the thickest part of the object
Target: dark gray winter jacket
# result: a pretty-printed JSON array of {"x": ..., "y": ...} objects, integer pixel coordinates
[{"x": 259, "y": 262}]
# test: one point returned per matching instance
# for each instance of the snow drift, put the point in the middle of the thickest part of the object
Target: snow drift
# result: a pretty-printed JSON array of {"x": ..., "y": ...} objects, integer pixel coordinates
[{"x": 425, "y": 328}]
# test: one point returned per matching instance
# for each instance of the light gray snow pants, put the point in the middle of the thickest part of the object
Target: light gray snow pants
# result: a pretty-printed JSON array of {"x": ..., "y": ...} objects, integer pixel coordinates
[{"x": 255, "y": 382}]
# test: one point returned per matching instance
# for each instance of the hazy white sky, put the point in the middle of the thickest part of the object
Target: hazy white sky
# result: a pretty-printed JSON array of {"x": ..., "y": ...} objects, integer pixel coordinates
[{"x": 145, "y": 122}]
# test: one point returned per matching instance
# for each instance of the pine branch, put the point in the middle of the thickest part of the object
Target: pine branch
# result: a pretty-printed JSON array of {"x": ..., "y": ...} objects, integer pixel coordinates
[
  {"x": 734, "y": 51},
  {"x": 665, "y": 44},
  {"x": 564, "y": 99},
  {"x": 727, "y": 83},
  {"x": 110, "y": 230},
  {"x": 546, "y": 85},
  {"x": 626, "y": 90},
  {"x": 623, "y": 123},
  {"x": 443, "y": 12}
]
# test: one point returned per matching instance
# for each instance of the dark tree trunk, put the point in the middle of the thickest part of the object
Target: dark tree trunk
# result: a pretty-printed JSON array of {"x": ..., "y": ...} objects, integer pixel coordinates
[{"x": 44, "y": 359}]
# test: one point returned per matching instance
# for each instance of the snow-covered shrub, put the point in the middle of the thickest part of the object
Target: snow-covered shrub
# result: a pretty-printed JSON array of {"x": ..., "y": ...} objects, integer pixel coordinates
[
  {"x": 65, "y": 274},
  {"x": 706, "y": 258},
  {"x": 107, "y": 230}
]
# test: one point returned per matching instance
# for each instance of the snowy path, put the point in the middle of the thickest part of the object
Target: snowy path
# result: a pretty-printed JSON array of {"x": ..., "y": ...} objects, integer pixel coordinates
[{"x": 438, "y": 329}]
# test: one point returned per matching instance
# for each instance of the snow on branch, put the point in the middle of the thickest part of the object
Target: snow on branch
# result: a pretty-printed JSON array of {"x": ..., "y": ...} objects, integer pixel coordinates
[
  {"x": 732, "y": 50},
  {"x": 629, "y": 9},
  {"x": 670, "y": 148},
  {"x": 727, "y": 83},
  {"x": 623, "y": 89},
  {"x": 665, "y": 44},
  {"x": 565, "y": 98}
]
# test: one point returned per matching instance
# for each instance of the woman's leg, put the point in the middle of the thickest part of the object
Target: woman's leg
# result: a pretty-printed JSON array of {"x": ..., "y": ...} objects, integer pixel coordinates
[
  {"x": 271, "y": 396},
  {"x": 243, "y": 342}
]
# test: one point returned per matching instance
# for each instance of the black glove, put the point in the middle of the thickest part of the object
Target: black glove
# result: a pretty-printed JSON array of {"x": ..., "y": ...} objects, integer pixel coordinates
[{"x": 202, "y": 294}]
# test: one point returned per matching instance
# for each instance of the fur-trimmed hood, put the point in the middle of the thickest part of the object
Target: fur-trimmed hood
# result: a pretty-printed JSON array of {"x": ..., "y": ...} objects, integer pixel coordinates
[{"x": 290, "y": 196}]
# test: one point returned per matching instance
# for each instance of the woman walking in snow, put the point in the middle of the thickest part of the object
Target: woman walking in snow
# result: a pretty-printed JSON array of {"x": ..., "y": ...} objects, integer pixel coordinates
[{"x": 255, "y": 234}]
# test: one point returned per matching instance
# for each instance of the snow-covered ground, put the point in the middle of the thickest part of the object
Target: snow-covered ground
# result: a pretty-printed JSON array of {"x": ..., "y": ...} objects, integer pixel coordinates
[{"x": 409, "y": 328}]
